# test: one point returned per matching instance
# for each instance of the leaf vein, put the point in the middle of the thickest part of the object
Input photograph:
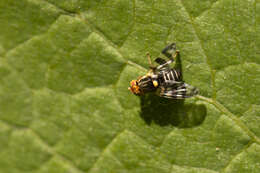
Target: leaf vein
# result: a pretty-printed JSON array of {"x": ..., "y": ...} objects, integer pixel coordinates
[
  {"x": 226, "y": 112},
  {"x": 53, "y": 152},
  {"x": 203, "y": 50}
]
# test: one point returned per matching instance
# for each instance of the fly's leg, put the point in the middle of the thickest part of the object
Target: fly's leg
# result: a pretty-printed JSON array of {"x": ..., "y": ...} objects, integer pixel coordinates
[
  {"x": 177, "y": 52},
  {"x": 152, "y": 67}
]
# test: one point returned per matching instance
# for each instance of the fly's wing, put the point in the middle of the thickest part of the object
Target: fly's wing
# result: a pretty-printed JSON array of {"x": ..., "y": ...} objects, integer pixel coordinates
[
  {"x": 178, "y": 91},
  {"x": 160, "y": 61},
  {"x": 163, "y": 65},
  {"x": 169, "y": 50}
]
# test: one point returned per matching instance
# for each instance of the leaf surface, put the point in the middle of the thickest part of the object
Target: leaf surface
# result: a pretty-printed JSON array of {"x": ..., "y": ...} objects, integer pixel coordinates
[{"x": 65, "y": 67}]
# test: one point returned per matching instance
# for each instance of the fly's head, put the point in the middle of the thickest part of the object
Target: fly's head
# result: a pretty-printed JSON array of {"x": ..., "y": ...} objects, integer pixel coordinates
[{"x": 134, "y": 88}]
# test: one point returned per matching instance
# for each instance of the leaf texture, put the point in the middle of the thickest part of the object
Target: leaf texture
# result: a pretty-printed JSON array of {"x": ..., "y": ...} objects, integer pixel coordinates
[{"x": 65, "y": 67}]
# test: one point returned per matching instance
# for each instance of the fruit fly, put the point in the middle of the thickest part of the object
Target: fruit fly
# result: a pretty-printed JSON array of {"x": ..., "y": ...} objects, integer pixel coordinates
[{"x": 162, "y": 79}]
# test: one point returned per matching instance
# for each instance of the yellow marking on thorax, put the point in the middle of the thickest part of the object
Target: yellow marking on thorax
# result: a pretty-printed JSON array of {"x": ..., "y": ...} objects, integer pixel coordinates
[{"x": 155, "y": 83}]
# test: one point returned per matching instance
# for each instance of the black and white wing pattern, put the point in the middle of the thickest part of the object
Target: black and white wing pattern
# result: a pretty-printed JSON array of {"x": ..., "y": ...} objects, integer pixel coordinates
[
  {"x": 170, "y": 80},
  {"x": 169, "y": 50},
  {"x": 179, "y": 90}
]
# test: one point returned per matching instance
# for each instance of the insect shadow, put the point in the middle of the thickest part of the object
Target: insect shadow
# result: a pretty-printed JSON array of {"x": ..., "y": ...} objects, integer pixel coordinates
[{"x": 177, "y": 113}]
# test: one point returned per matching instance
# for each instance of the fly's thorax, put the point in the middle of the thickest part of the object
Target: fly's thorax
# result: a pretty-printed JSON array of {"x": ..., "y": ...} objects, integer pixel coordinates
[{"x": 146, "y": 84}]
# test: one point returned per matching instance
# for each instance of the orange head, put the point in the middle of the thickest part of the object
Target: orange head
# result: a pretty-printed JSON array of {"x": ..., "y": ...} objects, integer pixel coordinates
[{"x": 134, "y": 88}]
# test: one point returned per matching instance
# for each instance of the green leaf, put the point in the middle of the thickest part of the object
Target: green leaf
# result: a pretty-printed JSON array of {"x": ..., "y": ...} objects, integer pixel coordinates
[{"x": 65, "y": 67}]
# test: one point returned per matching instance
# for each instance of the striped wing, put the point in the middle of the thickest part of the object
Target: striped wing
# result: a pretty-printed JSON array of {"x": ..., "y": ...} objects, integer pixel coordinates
[
  {"x": 178, "y": 91},
  {"x": 169, "y": 50}
]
